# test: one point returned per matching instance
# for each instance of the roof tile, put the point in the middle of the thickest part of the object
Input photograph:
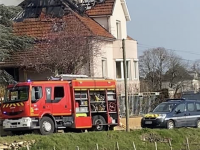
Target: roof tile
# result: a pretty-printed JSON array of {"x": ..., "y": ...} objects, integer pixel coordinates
[
  {"x": 42, "y": 28},
  {"x": 102, "y": 9}
]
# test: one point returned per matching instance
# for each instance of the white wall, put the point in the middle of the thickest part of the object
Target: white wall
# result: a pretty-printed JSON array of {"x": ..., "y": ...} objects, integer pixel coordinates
[
  {"x": 131, "y": 54},
  {"x": 106, "y": 50},
  {"x": 118, "y": 14}
]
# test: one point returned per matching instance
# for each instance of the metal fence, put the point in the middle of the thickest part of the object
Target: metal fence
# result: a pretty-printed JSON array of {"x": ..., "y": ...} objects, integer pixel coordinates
[{"x": 139, "y": 104}]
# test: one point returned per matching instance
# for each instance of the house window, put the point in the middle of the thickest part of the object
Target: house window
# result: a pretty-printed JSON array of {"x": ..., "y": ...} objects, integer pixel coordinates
[
  {"x": 135, "y": 63},
  {"x": 36, "y": 93},
  {"x": 118, "y": 26},
  {"x": 120, "y": 69},
  {"x": 104, "y": 67}
]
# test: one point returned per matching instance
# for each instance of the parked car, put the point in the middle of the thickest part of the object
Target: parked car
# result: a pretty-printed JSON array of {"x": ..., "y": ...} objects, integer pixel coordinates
[{"x": 173, "y": 113}]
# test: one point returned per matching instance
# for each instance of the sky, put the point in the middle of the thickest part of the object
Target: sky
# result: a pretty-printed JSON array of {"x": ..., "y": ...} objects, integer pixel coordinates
[
  {"x": 172, "y": 24},
  {"x": 10, "y": 2}
]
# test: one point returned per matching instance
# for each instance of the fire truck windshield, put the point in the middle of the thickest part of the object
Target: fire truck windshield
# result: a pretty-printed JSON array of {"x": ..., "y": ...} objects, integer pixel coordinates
[{"x": 17, "y": 94}]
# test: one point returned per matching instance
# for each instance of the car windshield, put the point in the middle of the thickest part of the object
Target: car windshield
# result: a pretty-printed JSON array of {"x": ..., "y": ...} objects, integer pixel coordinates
[
  {"x": 165, "y": 107},
  {"x": 17, "y": 94}
]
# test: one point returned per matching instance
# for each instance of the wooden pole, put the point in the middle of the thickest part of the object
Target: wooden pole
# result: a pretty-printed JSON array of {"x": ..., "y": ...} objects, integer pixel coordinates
[
  {"x": 97, "y": 147},
  {"x": 134, "y": 146},
  {"x": 125, "y": 86},
  {"x": 27, "y": 147},
  {"x": 117, "y": 146},
  {"x": 170, "y": 144},
  {"x": 188, "y": 146},
  {"x": 156, "y": 146}
]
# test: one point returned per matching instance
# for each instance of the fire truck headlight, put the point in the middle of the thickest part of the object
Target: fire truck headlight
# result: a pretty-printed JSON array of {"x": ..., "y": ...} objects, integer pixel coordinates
[{"x": 25, "y": 120}]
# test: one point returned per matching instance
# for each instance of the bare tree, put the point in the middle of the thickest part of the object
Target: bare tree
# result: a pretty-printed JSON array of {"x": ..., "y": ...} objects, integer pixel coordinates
[
  {"x": 177, "y": 73},
  {"x": 196, "y": 66},
  {"x": 64, "y": 49},
  {"x": 153, "y": 64}
]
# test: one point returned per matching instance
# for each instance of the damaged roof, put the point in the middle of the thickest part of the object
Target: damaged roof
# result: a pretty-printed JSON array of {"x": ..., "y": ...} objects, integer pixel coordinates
[
  {"x": 42, "y": 28},
  {"x": 105, "y": 8},
  {"x": 43, "y": 21},
  {"x": 39, "y": 17}
]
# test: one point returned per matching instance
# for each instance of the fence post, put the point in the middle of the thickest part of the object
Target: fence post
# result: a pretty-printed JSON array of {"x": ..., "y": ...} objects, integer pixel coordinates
[
  {"x": 188, "y": 146},
  {"x": 134, "y": 146},
  {"x": 27, "y": 147},
  {"x": 156, "y": 146},
  {"x": 117, "y": 146},
  {"x": 170, "y": 144},
  {"x": 140, "y": 104},
  {"x": 97, "y": 147}
]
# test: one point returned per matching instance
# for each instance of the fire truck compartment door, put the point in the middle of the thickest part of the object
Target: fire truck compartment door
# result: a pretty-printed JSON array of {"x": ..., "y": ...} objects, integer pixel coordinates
[{"x": 83, "y": 122}]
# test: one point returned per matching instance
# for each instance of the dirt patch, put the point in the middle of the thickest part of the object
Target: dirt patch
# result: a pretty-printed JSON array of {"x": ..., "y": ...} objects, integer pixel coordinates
[
  {"x": 152, "y": 137},
  {"x": 134, "y": 123}
]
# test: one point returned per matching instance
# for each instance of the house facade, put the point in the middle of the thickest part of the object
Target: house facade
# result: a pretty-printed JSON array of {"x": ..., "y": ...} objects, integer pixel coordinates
[
  {"x": 113, "y": 15},
  {"x": 108, "y": 20}
]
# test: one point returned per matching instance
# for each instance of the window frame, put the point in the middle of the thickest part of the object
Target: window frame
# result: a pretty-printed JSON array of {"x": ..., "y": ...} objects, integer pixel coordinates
[
  {"x": 104, "y": 74},
  {"x": 196, "y": 106},
  {"x": 179, "y": 105},
  {"x": 36, "y": 100},
  {"x": 58, "y": 100},
  {"x": 193, "y": 105},
  {"x": 118, "y": 29},
  {"x": 122, "y": 69},
  {"x": 135, "y": 68}
]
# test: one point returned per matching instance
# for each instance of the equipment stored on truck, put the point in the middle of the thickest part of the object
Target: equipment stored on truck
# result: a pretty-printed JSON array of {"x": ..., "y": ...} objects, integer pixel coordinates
[{"x": 63, "y": 102}]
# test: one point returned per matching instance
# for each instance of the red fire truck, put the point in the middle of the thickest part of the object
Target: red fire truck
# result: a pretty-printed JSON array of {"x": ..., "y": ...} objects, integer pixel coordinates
[{"x": 65, "y": 102}]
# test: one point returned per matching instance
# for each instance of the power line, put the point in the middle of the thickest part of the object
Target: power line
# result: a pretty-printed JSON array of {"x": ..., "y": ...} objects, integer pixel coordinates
[
  {"x": 168, "y": 49},
  {"x": 149, "y": 46}
]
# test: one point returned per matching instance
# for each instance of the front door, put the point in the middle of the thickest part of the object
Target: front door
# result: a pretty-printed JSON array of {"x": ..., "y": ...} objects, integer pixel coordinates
[
  {"x": 48, "y": 99},
  {"x": 61, "y": 102},
  {"x": 180, "y": 115}
]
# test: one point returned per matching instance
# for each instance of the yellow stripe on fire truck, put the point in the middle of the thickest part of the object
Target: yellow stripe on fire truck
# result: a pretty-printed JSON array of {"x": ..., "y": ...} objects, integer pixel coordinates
[{"x": 13, "y": 105}]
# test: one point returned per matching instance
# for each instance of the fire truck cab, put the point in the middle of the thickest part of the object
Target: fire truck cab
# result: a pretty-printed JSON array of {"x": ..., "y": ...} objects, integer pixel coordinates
[{"x": 64, "y": 102}]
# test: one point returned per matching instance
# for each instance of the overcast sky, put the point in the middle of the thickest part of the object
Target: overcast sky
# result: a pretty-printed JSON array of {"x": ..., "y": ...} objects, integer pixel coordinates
[
  {"x": 10, "y": 2},
  {"x": 173, "y": 24}
]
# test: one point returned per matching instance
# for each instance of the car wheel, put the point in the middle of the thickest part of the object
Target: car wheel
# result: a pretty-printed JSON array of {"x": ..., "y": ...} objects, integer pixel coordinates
[
  {"x": 170, "y": 124},
  {"x": 198, "y": 124},
  {"x": 46, "y": 126},
  {"x": 98, "y": 123}
]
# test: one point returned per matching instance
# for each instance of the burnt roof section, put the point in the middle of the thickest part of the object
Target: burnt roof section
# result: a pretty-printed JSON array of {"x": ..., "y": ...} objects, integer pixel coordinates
[{"x": 53, "y": 8}]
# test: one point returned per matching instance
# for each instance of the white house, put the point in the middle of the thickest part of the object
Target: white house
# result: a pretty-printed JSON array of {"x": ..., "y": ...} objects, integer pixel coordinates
[{"x": 112, "y": 15}]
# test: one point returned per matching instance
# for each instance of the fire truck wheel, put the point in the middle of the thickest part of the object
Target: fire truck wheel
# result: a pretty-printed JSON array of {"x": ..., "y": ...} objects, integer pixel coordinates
[
  {"x": 97, "y": 121},
  {"x": 46, "y": 126}
]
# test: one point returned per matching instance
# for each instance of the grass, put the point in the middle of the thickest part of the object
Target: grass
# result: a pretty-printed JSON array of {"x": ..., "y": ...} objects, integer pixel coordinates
[{"x": 107, "y": 140}]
